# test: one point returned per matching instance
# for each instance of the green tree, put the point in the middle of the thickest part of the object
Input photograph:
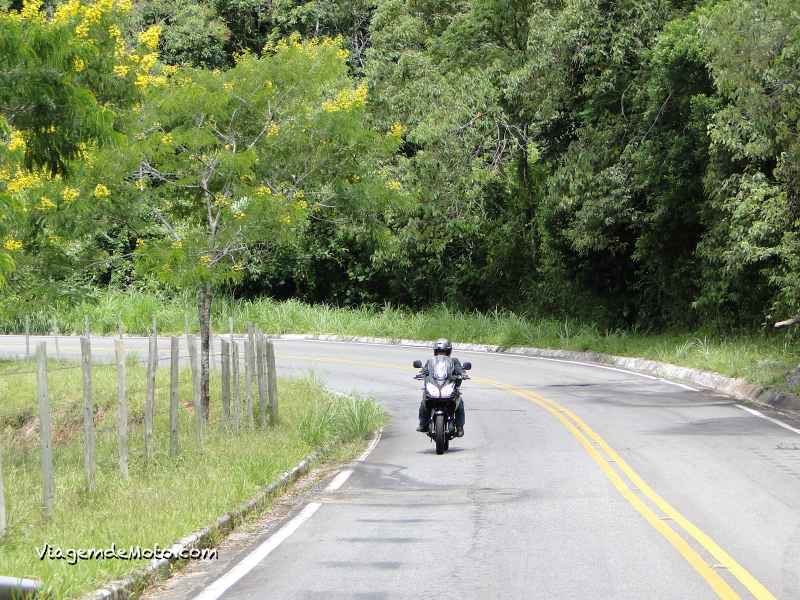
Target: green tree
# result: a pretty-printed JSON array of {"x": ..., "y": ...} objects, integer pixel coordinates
[{"x": 225, "y": 162}]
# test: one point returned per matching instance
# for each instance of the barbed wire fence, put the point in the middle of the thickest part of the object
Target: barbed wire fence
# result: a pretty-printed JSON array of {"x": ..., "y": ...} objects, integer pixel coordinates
[{"x": 237, "y": 394}]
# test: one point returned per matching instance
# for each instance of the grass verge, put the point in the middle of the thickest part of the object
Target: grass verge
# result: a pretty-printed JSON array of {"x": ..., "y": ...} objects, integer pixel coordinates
[
  {"x": 162, "y": 501},
  {"x": 760, "y": 357}
]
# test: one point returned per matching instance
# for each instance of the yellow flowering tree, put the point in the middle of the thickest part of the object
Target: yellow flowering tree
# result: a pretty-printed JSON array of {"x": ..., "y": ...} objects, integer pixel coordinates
[
  {"x": 225, "y": 162},
  {"x": 66, "y": 80}
]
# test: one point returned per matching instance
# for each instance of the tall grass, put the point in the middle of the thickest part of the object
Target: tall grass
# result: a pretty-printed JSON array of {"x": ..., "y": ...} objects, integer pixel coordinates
[
  {"x": 163, "y": 500},
  {"x": 762, "y": 357}
]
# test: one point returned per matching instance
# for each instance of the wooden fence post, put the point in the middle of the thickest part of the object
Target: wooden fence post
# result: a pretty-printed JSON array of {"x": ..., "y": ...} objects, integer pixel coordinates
[
  {"x": 226, "y": 381},
  {"x": 55, "y": 335},
  {"x": 237, "y": 399},
  {"x": 86, "y": 328},
  {"x": 122, "y": 408},
  {"x": 150, "y": 400},
  {"x": 3, "y": 517},
  {"x": 261, "y": 376},
  {"x": 195, "y": 366},
  {"x": 174, "y": 372},
  {"x": 249, "y": 371},
  {"x": 155, "y": 337},
  {"x": 45, "y": 430},
  {"x": 272, "y": 384},
  {"x": 88, "y": 414}
]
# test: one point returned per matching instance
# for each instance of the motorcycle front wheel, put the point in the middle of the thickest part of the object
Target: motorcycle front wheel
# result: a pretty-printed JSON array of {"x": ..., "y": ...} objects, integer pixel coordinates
[{"x": 440, "y": 434}]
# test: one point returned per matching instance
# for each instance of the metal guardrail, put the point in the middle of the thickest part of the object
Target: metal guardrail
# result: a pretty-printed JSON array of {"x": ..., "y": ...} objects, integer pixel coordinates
[{"x": 15, "y": 588}]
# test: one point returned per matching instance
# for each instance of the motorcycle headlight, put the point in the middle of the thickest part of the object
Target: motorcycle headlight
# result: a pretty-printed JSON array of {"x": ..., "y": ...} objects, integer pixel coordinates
[
  {"x": 448, "y": 389},
  {"x": 432, "y": 390}
]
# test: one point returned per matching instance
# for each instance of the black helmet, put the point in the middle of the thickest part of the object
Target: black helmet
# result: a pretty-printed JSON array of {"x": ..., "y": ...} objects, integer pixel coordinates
[{"x": 442, "y": 346}]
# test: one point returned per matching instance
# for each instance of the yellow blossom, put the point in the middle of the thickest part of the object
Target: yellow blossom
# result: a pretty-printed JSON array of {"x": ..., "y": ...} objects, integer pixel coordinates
[
  {"x": 342, "y": 53},
  {"x": 150, "y": 36},
  {"x": 115, "y": 32},
  {"x": 238, "y": 215},
  {"x": 66, "y": 11},
  {"x": 347, "y": 99},
  {"x": 286, "y": 219},
  {"x": 82, "y": 30},
  {"x": 78, "y": 64},
  {"x": 45, "y": 204},
  {"x": 22, "y": 181},
  {"x": 273, "y": 129},
  {"x": 177, "y": 244},
  {"x": 166, "y": 139},
  {"x": 227, "y": 86},
  {"x": 397, "y": 129},
  {"x": 238, "y": 267},
  {"x": 31, "y": 10},
  {"x": 17, "y": 141},
  {"x": 139, "y": 243},
  {"x": 205, "y": 259},
  {"x": 12, "y": 245},
  {"x": 121, "y": 70},
  {"x": 170, "y": 70},
  {"x": 70, "y": 194},
  {"x": 263, "y": 191},
  {"x": 148, "y": 61},
  {"x": 101, "y": 191},
  {"x": 393, "y": 185}
]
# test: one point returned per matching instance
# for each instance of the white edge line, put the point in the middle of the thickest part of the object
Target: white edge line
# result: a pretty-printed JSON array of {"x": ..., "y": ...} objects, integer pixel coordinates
[
  {"x": 761, "y": 415},
  {"x": 249, "y": 562},
  {"x": 339, "y": 480}
]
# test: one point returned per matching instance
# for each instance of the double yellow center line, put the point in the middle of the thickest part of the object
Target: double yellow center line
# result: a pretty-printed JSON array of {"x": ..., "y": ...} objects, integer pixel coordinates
[{"x": 604, "y": 455}]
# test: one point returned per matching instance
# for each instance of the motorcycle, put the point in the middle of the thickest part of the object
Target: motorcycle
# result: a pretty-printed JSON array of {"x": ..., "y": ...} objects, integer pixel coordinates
[{"x": 442, "y": 397}]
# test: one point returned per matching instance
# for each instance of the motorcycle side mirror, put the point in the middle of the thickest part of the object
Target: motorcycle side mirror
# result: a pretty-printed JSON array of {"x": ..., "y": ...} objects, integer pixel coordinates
[
  {"x": 417, "y": 364},
  {"x": 467, "y": 366}
]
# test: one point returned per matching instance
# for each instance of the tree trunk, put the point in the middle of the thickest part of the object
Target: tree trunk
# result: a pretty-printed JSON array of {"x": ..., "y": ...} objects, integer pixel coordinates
[{"x": 204, "y": 296}]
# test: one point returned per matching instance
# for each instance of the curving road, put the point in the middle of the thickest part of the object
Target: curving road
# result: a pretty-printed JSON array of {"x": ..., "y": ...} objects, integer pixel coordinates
[{"x": 572, "y": 482}]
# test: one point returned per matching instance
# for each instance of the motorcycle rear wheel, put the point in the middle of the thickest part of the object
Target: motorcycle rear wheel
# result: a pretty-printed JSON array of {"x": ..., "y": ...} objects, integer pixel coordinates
[{"x": 440, "y": 434}]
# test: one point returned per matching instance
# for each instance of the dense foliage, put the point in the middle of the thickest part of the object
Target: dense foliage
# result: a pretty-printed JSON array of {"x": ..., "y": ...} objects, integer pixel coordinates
[{"x": 637, "y": 163}]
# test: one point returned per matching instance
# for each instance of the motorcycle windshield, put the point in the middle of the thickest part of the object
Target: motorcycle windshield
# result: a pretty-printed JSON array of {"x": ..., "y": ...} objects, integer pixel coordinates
[{"x": 442, "y": 368}]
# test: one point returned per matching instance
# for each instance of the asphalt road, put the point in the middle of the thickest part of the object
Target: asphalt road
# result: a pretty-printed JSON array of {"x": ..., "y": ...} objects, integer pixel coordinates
[{"x": 572, "y": 482}]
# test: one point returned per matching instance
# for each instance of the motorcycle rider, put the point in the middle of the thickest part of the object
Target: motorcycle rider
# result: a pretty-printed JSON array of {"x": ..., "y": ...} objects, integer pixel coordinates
[{"x": 443, "y": 346}]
